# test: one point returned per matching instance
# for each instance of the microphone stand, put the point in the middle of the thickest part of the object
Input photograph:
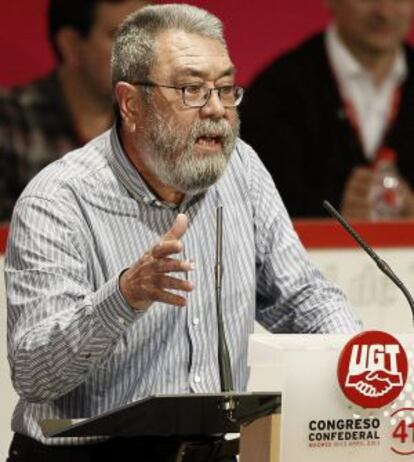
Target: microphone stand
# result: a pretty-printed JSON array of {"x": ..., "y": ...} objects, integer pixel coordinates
[
  {"x": 382, "y": 265},
  {"x": 226, "y": 380}
]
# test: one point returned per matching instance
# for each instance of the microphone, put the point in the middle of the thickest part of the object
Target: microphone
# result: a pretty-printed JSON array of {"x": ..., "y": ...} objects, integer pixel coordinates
[
  {"x": 382, "y": 265},
  {"x": 226, "y": 379}
]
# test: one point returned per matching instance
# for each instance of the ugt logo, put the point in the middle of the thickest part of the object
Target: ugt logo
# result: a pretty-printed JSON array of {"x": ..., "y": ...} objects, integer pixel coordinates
[{"x": 372, "y": 369}]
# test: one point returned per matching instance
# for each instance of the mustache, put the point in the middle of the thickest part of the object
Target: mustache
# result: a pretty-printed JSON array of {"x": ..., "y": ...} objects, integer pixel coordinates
[{"x": 213, "y": 129}]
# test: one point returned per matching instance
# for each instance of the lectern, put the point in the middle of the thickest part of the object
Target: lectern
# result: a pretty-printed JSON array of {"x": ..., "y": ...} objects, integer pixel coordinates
[
  {"x": 319, "y": 423},
  {"x": 184, "y": 416}
]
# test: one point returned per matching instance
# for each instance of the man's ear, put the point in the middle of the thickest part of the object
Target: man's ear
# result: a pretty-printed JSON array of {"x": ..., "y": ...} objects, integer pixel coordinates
[
  {"x": 129, "y": 102},
  {"x": 68, "y": 42}
]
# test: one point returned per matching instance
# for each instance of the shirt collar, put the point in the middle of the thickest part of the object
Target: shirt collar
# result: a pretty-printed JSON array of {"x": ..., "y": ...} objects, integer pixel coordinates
[
  {"x": 133, "y": 181},
  {"x": 347, "y": 67}
]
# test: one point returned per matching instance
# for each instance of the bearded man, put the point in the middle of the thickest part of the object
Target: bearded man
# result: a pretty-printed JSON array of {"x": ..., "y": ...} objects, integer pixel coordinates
[{"x": 110, "y": 260}]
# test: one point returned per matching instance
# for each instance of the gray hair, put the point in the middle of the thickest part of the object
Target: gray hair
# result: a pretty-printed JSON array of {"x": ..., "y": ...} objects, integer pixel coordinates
[{"x": 133, "y": 54}]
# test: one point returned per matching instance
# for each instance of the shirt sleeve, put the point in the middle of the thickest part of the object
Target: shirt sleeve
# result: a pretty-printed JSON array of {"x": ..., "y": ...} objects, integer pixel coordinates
[
  {"x": 60, "y": 327},
  {"x": 292, "y": 294}
]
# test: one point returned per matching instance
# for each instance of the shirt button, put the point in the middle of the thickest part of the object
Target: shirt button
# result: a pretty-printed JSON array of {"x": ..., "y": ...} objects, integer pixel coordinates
[
  {"x": 197, "y": 379},
  {"x": 121, "y": 320},
  {"x": 196, "y": 321}
]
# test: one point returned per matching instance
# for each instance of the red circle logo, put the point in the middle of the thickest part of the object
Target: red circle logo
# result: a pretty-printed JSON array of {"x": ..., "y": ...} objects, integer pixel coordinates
[{"x": 372, "y": 369}]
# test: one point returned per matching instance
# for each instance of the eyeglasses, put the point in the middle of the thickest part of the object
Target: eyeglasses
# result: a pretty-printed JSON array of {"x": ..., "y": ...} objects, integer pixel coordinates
[{"x": 197, "y": 96}]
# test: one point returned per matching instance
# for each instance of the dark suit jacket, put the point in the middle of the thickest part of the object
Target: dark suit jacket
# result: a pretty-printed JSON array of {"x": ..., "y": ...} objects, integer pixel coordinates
[{"x": 294, "y": 117}]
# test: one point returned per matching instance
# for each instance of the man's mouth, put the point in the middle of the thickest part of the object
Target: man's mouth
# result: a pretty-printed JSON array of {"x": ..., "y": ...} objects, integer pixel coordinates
[{"x": 208, "y": 141}]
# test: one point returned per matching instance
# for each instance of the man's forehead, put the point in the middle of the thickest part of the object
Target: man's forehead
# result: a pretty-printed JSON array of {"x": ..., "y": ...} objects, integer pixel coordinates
[
  {"x": 199, "y": 72},
  {"x": 193, "y": 55}
]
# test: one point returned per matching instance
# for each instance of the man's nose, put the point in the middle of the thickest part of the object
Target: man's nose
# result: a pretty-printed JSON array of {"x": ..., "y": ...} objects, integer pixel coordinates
[{"x": 214, "y": 107}]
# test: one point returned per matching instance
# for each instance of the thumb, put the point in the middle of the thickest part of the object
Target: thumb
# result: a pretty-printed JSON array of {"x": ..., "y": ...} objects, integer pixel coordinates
[{"x": 178, "y": 228}]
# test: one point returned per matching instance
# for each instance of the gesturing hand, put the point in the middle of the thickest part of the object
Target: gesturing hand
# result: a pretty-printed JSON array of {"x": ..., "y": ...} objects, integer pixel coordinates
[{"x": 148, "y": 280}]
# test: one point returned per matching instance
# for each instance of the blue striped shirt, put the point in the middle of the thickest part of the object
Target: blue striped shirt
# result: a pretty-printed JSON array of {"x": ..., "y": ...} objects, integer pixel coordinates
[{"x": 76, "y": 349}]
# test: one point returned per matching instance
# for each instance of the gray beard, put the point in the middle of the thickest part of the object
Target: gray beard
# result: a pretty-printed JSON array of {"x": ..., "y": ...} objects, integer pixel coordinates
[{"x": 172, "y": 159}]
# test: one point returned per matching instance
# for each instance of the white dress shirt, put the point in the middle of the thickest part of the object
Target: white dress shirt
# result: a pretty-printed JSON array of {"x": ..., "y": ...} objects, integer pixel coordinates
[{"x": 372, "y": 103}]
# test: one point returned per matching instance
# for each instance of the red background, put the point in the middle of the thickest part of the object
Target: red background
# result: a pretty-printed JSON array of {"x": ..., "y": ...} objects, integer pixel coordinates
[
  {"x": 328, "y": 234},
  {"x": 256, "y": 32}
]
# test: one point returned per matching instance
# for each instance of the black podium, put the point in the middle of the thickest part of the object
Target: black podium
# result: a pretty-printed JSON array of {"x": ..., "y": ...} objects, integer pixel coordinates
[{"x": 172, "y": 415}]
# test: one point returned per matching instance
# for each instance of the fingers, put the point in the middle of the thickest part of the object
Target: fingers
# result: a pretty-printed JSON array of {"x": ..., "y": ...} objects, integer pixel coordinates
[
  {"x": 360, "y": 181},
  {"x": 154, "y": 294},
  {"x": 165, "y": 248},
  {"x": 167, "y": 282},
  {"x": 165, "y": 265},
  {"x": 355, "y": 207},
  {"x": 356, "y": 212},
  {"x": 147, "y": 281},
  {"x": 157, "y": 286},
  {"x": 355, "y": 200},
  {"x": 178, "y": 228}
]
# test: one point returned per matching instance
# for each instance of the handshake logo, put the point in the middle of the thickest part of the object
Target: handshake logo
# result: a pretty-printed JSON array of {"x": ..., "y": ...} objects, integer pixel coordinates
[
  {"x": 372, "y": 369},
  {"x": 368, "y": 372}
]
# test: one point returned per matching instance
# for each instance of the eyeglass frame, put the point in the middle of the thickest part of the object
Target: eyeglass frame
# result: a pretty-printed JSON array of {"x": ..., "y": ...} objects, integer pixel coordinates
[{"x": 184, "y": 87}]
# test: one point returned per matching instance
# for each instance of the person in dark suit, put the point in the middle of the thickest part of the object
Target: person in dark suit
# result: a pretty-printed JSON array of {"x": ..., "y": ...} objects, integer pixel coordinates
[{"x": 321, "y": 114}]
